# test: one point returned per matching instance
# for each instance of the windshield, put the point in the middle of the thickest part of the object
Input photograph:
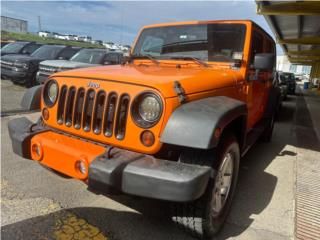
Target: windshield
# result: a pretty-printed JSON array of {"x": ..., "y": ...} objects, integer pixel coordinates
[
  {"x": 89, "y": 56},
  {"x": 208, "y": 42},
  {"x": 47, "y": 52},
  {"x": 13, "y": 47}
]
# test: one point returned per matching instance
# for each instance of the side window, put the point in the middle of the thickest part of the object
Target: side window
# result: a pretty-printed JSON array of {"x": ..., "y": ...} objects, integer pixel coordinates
[
  {"x": 67, "y": 53},
  {"x": 112, "y": 58},
  {"x": 257, "y": 45},
  {"x": 269, "y": 46},
  {"x": 30, "y": 48}
]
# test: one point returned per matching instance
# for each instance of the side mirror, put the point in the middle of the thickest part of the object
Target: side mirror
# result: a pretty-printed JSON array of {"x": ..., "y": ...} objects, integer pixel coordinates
[
  {"x": 61, "y": 58},
  {"x": 107, "y": 63},
  {"x": 264, "y": 61}
]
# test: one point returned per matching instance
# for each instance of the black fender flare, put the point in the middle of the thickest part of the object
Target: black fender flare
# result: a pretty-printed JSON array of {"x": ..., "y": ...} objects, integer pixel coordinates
[
  {"x": 193, "y": 124},
  {"x": 32, "y": 98}
]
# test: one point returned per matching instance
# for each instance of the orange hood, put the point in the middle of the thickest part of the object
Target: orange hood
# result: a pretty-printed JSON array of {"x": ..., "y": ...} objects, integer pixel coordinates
[{"x": 192, "y": 79}]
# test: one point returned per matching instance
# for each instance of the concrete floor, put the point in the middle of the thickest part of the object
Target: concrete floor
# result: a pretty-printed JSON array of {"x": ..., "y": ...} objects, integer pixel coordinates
[
  {"x": 38, "y": 204},
  {"x": 11, "y": 95}
]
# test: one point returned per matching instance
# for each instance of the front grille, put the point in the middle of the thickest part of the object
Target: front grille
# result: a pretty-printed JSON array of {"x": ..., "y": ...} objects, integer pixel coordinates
[
  {"x": 93, "y": 111},
  {"x": 48, "y": 70},
  {"x": 7, "y": 64}
]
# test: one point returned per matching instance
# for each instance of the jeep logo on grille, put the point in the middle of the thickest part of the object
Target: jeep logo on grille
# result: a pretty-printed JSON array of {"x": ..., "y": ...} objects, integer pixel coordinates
[{"x": 93, "y": 85}]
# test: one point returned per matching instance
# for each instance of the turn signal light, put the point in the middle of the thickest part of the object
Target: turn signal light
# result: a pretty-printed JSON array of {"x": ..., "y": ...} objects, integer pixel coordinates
[
  {"x": 147, "y": 138},
  {"x": 45, "y": 114}
]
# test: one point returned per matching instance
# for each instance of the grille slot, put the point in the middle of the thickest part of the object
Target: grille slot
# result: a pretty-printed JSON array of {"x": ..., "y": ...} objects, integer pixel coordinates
[
  {"x": 62, "y": 99},
  {"x": 69, "y": 106},
  {"x": 122, "y": 117},
  {"x": 110, "y": 114},
  {"x": 98, "y": 112},
  {"x": 78, "y": 108},
  {"x": 88, "y": 109}
]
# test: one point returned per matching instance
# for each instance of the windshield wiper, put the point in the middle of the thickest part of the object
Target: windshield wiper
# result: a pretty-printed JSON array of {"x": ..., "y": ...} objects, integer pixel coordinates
[
  {"x": 155, "y": 61},
  {"x": 196, "y": 60}
]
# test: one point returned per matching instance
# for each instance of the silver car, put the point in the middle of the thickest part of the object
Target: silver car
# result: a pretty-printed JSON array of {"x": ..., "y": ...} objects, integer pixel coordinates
[{"x": 84, "y": 58}]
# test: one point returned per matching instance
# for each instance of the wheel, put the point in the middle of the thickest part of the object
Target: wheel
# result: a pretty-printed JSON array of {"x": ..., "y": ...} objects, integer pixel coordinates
[
  {"x": 267, "y": 134},
  {"x": 205, "y": 216}
]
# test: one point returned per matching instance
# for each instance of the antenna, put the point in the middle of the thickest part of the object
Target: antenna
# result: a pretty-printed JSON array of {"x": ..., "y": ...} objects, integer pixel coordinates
[{"x": 39, "y": 23}]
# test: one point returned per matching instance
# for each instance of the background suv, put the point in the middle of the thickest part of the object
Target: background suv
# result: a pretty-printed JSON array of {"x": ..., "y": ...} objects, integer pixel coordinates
[
  {"x": 22, "y": 69},
  {"x": 20, "y": 48},
  {"x": 84, "y": 58},
  {"x": 288, "y": 79}
]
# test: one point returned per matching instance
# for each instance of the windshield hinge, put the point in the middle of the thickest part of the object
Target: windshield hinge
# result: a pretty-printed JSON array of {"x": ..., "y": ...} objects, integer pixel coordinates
[{"x": 180, "y": 92}]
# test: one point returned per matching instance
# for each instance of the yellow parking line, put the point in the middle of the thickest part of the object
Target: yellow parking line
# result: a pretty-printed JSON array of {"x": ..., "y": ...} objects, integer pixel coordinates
[{"x": 70, "y": 227}]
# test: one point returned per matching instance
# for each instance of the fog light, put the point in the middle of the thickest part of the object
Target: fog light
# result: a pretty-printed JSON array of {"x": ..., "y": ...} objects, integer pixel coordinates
[
  {"x": 147, "y": 138},
  {"x": 81, "y": 167},
  {"x": 36, "y": 151},
  {"x": 45, "y": 113}
]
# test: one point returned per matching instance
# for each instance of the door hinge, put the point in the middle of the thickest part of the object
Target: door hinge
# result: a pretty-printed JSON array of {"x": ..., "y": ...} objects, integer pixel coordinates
[{"x": 180, "y": 92}]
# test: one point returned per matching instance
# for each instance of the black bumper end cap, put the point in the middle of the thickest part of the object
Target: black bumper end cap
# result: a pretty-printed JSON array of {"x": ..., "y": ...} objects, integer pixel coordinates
[
  {"x": 165, "y": 180},
  {"x": 20, "y": 134},
  {"x": 146, "y": 176}
]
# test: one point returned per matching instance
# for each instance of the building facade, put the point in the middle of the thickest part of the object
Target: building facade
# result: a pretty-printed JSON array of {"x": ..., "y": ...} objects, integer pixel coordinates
[
  {"x": 14, "y": 25},
  {"x": 284, "y": 65}
]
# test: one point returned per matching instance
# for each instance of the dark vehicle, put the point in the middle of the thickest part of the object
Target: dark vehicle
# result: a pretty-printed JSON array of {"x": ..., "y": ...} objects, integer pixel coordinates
[
  {"x": 288, "y": 79},
  {"x": 22, "y": 69},
  {"x": 20, "y": 48},
  {"x": 5, "y": 42},
  {"x": 282, "y": 85},
  {"x": 84, "y": 58}
]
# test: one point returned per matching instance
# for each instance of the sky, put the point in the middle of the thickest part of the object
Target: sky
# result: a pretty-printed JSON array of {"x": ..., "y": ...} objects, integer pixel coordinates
[{"x": 118, "y": 21}]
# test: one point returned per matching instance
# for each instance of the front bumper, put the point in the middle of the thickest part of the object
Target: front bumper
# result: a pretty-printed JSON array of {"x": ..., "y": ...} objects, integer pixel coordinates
[
  {"x": 16, "y": 76},
  {"x": 111, "y": 168}
]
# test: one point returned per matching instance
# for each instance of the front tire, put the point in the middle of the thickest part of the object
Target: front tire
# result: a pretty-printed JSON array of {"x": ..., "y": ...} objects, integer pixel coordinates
[{"x": 205, "y": 216}]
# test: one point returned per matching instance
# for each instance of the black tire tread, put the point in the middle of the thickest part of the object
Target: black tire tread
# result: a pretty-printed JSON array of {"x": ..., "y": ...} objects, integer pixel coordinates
[{"x": 191, "y": 216}]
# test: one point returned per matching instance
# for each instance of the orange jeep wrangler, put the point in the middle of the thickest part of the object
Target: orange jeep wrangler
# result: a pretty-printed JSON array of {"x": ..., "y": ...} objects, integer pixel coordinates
[{"x": 170, "y": 123}]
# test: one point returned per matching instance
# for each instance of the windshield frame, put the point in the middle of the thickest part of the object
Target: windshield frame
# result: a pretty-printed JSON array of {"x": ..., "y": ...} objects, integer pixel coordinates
[{"x": 244, "y": 42}]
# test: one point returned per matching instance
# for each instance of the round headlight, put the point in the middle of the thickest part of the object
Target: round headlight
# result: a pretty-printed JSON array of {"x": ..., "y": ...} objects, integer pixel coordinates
[
  {"x": 53, "y": 91},
  {"x": 146, "y": 109},
  {"x": 149, "y": 109},
  {"x": 50, "y": 93}
]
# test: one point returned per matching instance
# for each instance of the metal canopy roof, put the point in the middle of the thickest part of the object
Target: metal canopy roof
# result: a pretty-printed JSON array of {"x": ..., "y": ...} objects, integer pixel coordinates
[{"x": 296, "y": 25}]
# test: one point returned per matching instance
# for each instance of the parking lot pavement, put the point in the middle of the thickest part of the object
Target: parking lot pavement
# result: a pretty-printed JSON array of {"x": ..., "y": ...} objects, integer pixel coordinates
[
  {"x": 38, "y": 204},
  {"x": 11, "y": 95}
]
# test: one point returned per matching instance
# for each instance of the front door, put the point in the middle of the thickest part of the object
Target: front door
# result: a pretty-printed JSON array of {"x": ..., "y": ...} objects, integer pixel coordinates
[{"x": 258, "y": 82}]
